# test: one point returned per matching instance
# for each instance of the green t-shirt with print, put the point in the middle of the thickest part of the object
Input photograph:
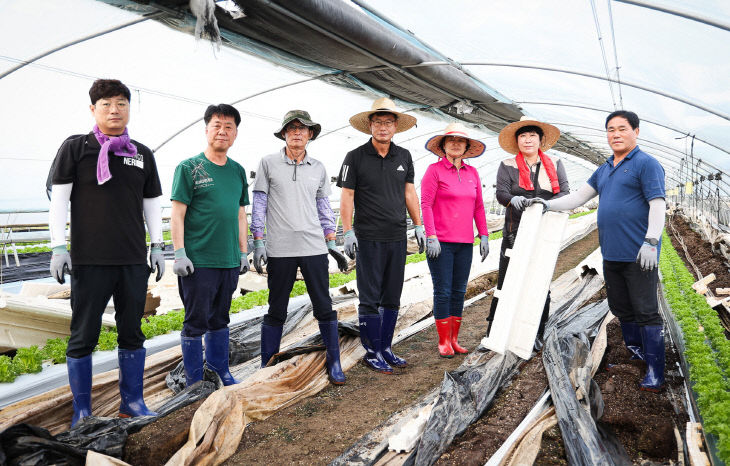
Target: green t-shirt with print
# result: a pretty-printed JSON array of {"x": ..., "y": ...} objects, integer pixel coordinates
[{"x": 213, "y": 194}]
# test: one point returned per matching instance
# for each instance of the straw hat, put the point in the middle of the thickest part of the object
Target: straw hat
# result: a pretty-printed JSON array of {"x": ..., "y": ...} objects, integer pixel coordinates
[
  {"x": 509, "y": 143},
  {"x": 303, "y": 118},
  {"x": 361, "y": 121},
  {"x": 476, "y": 148}
]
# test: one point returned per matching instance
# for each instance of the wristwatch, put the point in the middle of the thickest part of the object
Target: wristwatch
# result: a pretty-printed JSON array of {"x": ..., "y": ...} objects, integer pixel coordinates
[
  {"x": 651, "y": 241},
  {"x": 157, "y": 245}
]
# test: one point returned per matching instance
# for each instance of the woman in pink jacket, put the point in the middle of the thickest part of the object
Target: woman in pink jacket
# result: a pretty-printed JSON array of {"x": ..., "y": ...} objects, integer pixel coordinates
[{"x": 451, "y": 201}]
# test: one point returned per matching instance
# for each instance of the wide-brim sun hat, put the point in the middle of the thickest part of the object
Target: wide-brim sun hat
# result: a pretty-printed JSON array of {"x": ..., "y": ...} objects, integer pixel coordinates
[
  {"x": 508, "y": 141},
  {"x": 476, "y": 148},
  {"x": 304, "y": 118},
  {"x": 361, "y": 121}
]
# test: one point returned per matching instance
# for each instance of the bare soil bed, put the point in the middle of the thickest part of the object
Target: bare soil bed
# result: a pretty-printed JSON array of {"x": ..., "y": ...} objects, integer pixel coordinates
[{"x": 318, "y": 429}]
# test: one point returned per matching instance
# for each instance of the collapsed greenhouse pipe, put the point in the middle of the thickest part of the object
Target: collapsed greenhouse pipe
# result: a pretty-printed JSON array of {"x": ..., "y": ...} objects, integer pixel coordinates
[
  {"x": 560, "y": 104},
  {"x": 677, "y": 12},
  {"x": 25, "y": 63},
  {"x": 255, "y": 94},
  {"x": 718, "y": 113}
]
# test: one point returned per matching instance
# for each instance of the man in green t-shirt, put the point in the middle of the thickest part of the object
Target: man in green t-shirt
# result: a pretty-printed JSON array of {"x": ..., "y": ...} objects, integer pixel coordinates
[{"x": 209, "y": 233}]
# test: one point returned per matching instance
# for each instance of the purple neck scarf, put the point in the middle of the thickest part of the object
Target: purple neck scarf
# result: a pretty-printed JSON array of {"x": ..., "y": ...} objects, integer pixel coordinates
[{"x": 121, "y": 145}]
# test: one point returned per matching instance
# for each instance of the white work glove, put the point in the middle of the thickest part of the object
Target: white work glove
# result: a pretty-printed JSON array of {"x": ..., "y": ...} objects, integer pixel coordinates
[
  {"x": 433, "y": 248},
  {"x": 182, "y": 266},
  {"x": 421, "y": 238},
  {"x": 339, "y": 257},
  {"x": 259, "y": 255},
  {"x": 518, "y": 202},
  {"x": 350, "y": 244},
  {"x": 484, "y": 246},
  {"x": 244, "y": 263},
  {"x": 60, "y": 264},
  {"x": 648, "y": 257},
  {"x": 157, "y": 262}
]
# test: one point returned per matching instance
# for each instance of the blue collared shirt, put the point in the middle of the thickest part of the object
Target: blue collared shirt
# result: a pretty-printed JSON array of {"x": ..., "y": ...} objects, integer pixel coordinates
[{"x": 624, "y": 194}]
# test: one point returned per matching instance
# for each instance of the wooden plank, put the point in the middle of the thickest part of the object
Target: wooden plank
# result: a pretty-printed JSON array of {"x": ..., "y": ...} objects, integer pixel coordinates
[
  {"x": 700, "y": 286},
  {"x": 695, "y": 445},
  {"x": 720, "y": 291}
]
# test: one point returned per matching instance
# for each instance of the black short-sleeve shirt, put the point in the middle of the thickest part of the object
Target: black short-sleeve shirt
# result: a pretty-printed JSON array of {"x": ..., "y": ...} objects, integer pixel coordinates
[
  {"x": 107, "y": 221},
  {"x": 380, "y": 190}
]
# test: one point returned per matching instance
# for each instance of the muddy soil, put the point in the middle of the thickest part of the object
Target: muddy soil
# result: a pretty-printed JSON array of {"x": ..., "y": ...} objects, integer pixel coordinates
[{"x": 320, "y": 428}]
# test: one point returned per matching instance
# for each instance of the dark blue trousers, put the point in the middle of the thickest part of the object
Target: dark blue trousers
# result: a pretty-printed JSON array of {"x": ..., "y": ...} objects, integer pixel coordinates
[
  {"x": 632, "y": 292},
  {"x": 380, "y": 268},
  {"x": 450, "y": 273},
  {"x": 282, "y": 272},
  {"x": 206, "y": 294},
  {"x": 91, "y": 288}
]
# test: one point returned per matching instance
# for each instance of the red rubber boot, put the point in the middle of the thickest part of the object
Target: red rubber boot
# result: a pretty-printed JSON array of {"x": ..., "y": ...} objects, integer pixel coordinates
[
  {"x": 455, "y": 326},
  {"x": 443, "y": 327}
]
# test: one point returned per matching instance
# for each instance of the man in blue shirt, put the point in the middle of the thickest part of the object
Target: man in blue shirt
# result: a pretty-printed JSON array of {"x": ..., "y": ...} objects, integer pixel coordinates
[{"x": 630, "y": 186}]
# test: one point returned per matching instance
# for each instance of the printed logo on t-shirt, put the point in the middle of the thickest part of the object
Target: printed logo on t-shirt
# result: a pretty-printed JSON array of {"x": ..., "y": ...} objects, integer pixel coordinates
[
  {"x": 201, "y": 178},
  {"x": 400, "y": 168},
  {"x": 135, "y": 161},
  {"x": 345, "y": 169}
]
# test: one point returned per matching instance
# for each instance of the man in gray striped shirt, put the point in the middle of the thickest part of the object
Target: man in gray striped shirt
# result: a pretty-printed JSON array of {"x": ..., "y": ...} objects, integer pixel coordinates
[{"x": 291, "y": 202}]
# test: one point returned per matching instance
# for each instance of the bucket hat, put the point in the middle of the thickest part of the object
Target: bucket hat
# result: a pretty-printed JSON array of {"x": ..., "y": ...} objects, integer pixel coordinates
[
  {"x": 508, "y": 142},
  {"x": 361, "y": 121},
  {"x": 304, "y": 118},
  {"x": 476, "y": 148}
]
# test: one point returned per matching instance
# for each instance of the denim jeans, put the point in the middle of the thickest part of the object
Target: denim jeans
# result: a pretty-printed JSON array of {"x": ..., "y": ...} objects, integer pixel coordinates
[{"x": 450, "y": 273}]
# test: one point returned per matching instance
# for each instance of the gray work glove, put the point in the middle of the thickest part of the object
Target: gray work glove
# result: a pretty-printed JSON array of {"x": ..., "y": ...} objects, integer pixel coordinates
[
  {"x": 538, "y": 200},
  {"x": 433, "y": 248},
  {"x": 518, "y": 202},
  {"x": 259, "y": 255},
  {"x": 350, "y": 243},
  {"x": 648, "y": 257},
  {"x": 244, "y": 263},
  {"x": 339, "y": 257},
  {"x": 157, "y": 262},
  {"x": 421, "y": 238},
  {"x": 484, "y": 246},
  {"x": 182, "y": 266},
  {"x": 60, "y": 264}
]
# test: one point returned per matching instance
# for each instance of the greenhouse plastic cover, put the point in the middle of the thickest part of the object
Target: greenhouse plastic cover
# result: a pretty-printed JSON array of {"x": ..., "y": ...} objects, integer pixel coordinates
[{"x": 333, "y": 57}]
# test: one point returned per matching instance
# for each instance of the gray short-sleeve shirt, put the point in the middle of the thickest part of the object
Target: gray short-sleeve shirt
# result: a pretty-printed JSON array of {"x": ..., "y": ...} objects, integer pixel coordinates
[{"x": 292, "y": 221}]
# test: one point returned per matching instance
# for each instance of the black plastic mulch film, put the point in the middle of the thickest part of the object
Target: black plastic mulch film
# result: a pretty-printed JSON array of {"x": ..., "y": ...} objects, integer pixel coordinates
[{"x": 28, "y": 445}]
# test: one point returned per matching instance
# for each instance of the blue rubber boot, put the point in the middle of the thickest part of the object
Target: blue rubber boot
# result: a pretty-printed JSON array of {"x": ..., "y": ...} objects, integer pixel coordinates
[
  {"x": 632, "y": 339},
  {"x": 79, "y": 379},
  {"x": 131, "y": 383},
  {"x": 192, "y": 352},
  {"x": 370, "y": 338},
  {"x": 331, "y": 339},
  {"x": 270, "y": 341},
  {"x": 389, "y": 319},
  {"x": 652, "y": 337},
  {"x": 216, "y": 355}
]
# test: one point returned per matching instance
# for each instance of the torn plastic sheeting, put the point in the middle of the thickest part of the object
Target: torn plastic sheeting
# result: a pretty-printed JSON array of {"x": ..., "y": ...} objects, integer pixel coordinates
[
  {"x": 313, "y": 343},
  {"x": 465, "y": 394},
  {"x": 577, "y": 399},
  {"x": 451, "y": 415},
  {"x": 31, "y": 445}
]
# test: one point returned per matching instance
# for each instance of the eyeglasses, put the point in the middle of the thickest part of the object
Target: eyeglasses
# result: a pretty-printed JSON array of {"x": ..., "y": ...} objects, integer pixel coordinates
[
  {"x": 385, "y": 123},
  {"x": 295, "y": 128}
]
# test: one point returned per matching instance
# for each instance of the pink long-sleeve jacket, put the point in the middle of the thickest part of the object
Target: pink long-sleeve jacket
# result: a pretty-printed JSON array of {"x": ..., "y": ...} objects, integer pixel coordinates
[{"x": 451, "y": 201}]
